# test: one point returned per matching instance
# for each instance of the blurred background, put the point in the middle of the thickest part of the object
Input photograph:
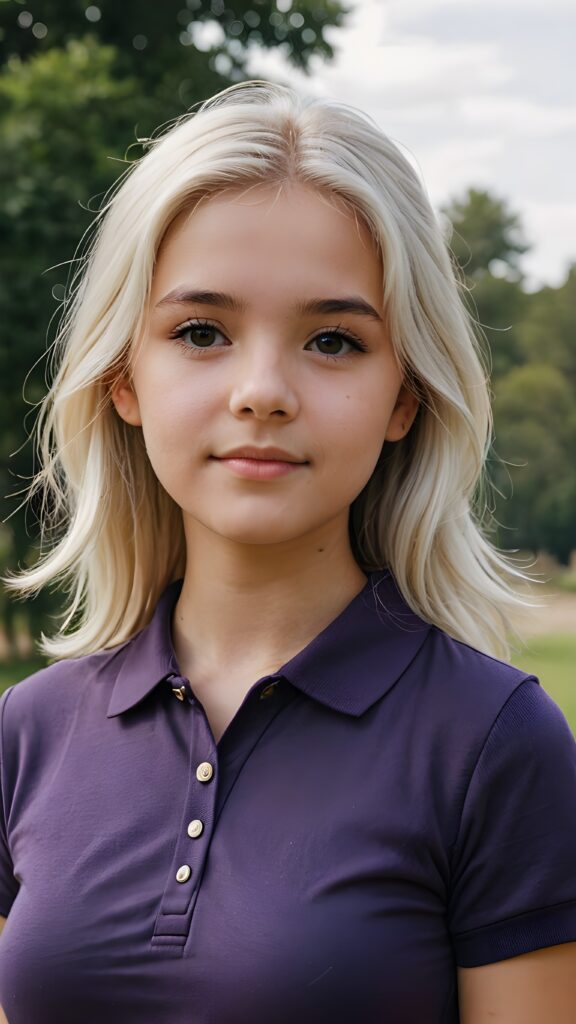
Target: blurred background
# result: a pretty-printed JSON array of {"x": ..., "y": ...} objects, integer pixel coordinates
[{"x": 482, "y": 101}]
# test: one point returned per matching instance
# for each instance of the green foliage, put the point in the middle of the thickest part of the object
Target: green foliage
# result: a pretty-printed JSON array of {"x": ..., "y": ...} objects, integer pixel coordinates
[
  {"x": 151, "y": 38},
  {"x": 532, "y": 340},
  {"x": 548, "y": 333},
  {"x": 48, "y": 171},
  {"x": 535, "y": 434},
  {"x": 486, "y": 243},
  {"x": 499, "y": 307},
  {"x": 485, "y": 232},
  {"x": 75, "y": 95}
]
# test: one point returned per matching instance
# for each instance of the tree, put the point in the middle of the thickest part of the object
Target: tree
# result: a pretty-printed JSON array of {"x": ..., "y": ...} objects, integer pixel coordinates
[
  {"x": 70, "y": 115},
  {"x": 499, "y": 307},
  {"x": 486, "y": 243},
  {"x": 148, "y": 37},
  {"x": 485, "y": 234},
  {"x": 532, "y": 340},
  {"x": 548, "y": 331},
  {"x": 48, "y": 172},
  {"x": 535, "y": 440}
]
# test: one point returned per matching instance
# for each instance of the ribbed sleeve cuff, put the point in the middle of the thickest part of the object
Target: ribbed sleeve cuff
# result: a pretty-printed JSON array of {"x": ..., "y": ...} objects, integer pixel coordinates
[{"x": 550, "y": 926}]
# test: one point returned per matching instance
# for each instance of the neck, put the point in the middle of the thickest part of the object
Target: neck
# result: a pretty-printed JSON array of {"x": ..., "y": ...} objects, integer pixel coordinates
[{"x": 250, "y": 607}]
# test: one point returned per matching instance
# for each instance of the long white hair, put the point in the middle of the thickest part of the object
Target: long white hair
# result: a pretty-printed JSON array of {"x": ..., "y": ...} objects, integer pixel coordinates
[{"x": 112, "y": 536}]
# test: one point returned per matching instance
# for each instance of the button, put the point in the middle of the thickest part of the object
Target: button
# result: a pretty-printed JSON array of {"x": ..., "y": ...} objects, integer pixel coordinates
[
  {"x": 267, "y": 691},
  {"x": 179, "y": 692},
  {"x": 183, "y": 873},
  {"x": 195, "y": 829},
  {"x": 204, "y": 772}
]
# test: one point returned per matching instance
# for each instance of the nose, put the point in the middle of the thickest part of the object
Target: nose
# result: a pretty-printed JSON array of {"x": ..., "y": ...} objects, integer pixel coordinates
[{"x": 262, "y": 387}]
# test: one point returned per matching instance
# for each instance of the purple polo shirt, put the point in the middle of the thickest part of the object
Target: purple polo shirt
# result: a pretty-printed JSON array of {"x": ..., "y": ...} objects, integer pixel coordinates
[{"x": 388, "y": 805}]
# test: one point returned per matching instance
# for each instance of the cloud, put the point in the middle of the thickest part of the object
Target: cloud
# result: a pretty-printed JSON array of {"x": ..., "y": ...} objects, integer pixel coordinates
[
  {"x": 553, "y": 225},
  {"x": 475, "y": 95},
  {"x": 517, "y": 116}
]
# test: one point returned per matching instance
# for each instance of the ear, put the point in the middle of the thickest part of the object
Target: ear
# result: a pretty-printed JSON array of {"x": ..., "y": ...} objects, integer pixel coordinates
[
  {"x": 125, "y": 402},
  {"x": 403, "y": 415}
]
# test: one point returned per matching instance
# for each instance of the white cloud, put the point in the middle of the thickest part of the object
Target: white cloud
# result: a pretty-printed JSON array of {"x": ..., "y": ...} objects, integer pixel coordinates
[
  {"x": 418, "y": 68},
  {"x": 449, "y": 167},
  {"x": 472, "y": 99},
  {"x": 554, "y": 226},
  {"x": 517, "y": 116},
  {"x": 410, "y": 10}
]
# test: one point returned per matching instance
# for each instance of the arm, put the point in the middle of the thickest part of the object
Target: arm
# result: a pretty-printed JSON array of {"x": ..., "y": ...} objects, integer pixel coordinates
[
  {"x": 2, "y": 923},
  {"x": 530, "y": 989}
]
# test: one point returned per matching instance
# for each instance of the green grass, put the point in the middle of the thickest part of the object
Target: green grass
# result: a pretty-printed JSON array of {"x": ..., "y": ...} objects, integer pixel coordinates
[
  {"x": 553, "y": 659},
  {"x": 566, "y": 582}
]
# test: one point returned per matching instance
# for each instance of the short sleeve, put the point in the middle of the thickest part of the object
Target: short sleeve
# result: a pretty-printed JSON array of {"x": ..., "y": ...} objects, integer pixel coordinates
[
  {"x": 513, "y": 880},
  {"x": 8, "y": 884}
]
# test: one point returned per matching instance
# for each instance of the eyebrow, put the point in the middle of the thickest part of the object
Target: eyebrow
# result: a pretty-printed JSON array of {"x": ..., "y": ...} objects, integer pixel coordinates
[{"x": 346, "y": 304}]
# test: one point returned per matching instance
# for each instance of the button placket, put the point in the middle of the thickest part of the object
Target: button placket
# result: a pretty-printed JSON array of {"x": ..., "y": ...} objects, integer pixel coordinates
[
  {"x": 207, "y": 793},
  {"x": 192, "y": 842}
]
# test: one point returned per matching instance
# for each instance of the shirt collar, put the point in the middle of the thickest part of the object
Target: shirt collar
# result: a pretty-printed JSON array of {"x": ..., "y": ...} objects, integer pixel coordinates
[{"x": 353, "y": 662}]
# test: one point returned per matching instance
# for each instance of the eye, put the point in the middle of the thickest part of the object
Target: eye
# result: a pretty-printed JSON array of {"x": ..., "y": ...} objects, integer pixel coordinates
[
  {"x": 197, "y": 335},
  {"x": 337, "y": 343}
]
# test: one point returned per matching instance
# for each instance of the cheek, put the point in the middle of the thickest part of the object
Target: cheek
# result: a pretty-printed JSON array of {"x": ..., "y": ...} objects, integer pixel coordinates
[
  {"x": 173, "y": 410},
  {"x": 357, "y": 423},
  {"x": 351, "y": 449}
]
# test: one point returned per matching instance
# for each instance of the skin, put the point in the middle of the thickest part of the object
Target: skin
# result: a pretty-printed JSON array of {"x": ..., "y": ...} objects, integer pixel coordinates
[
  {"x": 277, "y": 552},
  {"x": 273, "y": 552}
]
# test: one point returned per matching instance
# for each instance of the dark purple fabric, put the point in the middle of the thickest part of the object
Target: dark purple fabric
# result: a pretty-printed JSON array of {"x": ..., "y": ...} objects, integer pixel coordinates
[{"x": 395, "y": 805}]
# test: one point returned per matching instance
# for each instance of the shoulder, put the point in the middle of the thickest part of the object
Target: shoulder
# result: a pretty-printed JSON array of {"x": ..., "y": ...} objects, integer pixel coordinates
[
  {"x": 506, "y": 720},
  {"x": 55, "y": 691},
  {"x": 465, "y": 707},
  {"x": 468, "y": 679},
  {"x": 443, "y": 673}
]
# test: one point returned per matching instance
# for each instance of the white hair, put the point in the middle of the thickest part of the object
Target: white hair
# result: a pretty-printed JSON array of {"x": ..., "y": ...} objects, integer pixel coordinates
[{"x": 118, "y": 536}]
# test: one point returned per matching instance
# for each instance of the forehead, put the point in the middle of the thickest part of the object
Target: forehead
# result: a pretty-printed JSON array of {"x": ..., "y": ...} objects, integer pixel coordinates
[
  {"x": 260, "y": 201},
  {"x": 267, "y": 230}
]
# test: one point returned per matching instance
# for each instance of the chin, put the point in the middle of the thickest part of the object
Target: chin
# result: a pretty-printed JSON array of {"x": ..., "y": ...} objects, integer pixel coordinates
[{"x": 256, "y": 530}]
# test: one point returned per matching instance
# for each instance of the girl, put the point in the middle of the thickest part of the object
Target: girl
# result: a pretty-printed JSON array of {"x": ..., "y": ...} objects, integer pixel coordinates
[{"x": 275, "y": 773}]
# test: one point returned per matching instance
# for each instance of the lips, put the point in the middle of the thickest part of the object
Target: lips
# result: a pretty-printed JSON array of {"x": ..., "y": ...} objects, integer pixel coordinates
[{"x": 261, "y": 454}]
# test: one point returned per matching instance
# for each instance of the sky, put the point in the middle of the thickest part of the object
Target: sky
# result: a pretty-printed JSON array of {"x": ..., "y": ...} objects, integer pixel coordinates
[{"x": 477, "y": 94}]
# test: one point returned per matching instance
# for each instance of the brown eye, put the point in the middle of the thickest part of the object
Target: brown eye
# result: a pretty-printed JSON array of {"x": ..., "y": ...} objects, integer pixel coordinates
[
  {"x": 331, "y": 344},
  {"x": 197, "y": 335},
  {"x": 201, "y": 336},
  {"x": 338, "y": 343}
]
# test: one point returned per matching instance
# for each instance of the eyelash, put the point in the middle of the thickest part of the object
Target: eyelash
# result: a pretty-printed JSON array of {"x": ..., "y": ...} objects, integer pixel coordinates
[{"x": 352, "y": 339}]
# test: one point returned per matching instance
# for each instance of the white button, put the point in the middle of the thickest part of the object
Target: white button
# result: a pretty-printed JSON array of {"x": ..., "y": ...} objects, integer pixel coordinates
[
  {"x": 204, "y": 772},
  {"x": 195, "y": 829},
  {"x": 183, "y": 873}
]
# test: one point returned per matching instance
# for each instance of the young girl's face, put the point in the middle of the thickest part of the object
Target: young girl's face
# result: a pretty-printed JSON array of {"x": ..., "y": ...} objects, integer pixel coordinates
[{"x": 285, "y": 349}]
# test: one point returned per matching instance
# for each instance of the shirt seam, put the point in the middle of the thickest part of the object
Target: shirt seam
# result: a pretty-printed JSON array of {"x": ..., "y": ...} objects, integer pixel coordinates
[{"x": 514, "y": 917}]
